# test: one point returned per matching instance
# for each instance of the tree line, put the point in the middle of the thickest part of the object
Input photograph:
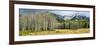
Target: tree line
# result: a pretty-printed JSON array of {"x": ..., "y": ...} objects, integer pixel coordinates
[
  {"x": 37, "y": 22},
  {"x": 47, "y": 22}
]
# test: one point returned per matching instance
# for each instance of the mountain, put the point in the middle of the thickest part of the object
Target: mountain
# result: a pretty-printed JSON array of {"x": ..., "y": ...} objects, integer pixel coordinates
[
  {"x": 79, "y": 17},
  {"x": 66, "y": 17},
  {"x": 59, "y": 17}
]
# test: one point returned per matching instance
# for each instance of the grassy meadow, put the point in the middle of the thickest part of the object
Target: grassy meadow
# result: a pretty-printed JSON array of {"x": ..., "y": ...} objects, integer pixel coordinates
[{"x": 56, "y": 31}]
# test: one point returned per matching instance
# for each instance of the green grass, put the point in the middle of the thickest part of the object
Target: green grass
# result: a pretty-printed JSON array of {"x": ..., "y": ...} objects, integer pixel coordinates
[{"x": 56, "y": 31}]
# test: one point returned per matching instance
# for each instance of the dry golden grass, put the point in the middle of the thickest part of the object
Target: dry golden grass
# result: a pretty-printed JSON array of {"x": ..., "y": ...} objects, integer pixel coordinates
[{"x": 57, "y": 31}]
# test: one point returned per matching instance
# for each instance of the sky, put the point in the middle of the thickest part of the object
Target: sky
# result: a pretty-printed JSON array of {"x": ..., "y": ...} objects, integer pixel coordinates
[{"x": 58, "y": 12}]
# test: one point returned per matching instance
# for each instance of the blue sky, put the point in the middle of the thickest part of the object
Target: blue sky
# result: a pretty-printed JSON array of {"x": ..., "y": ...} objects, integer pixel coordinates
[{"x": 59, "y": 12}]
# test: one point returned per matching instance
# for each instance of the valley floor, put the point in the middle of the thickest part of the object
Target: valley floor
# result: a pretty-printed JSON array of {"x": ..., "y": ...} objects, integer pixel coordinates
[{"x": 56, "y": 31}]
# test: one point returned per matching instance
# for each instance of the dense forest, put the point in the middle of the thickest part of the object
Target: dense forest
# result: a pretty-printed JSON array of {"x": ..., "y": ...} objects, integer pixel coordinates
[{"x": 47, "y": 21}]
